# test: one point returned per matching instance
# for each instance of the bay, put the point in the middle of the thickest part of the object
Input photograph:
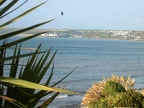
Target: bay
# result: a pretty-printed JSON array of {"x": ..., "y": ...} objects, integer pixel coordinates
[{"x": 94, "y": 59}]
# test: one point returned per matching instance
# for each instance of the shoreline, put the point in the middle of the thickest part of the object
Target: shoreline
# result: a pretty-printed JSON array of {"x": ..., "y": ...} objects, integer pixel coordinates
[
  {"x": 84, "y": 33},
  {"x": 85, "y": 38}
]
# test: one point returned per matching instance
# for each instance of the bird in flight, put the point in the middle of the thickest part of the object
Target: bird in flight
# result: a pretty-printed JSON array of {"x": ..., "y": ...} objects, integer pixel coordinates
[{"x": 62, "y": 13}]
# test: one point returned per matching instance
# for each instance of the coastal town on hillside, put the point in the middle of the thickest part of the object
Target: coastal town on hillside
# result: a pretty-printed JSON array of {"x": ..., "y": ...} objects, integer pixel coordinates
[{"x": 96, "y": 34}]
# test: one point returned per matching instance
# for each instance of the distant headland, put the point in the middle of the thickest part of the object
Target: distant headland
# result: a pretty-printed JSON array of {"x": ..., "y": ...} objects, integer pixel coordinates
[{"x": 81, "y": 33}]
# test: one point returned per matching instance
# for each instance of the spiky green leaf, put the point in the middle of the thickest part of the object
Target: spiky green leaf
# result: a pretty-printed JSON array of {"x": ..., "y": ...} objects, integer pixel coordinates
[
  {"x": 8, "y": 35},
  {"x": 13, "y": 9},
  {"x": 20, "y": 56},
  {"x": 48, "y": 101},
  {"x": 7, "y": 7},
  {"x": 20, "y": 16},
  {"x": 23, "y": 39},
  {"x": 26, "y": 84},
  {"x": 13, "y": 101}
]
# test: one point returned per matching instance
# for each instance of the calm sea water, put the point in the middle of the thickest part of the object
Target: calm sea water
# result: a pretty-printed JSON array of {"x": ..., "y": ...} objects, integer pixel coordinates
[{"x": 94, "y": 59}]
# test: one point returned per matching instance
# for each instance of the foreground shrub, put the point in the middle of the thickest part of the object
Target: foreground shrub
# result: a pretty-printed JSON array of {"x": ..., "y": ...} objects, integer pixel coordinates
[
  {"x": 112, "y": 87},
  {"x": 113, "y": 92},
  {"x": 131, "y": 98}
]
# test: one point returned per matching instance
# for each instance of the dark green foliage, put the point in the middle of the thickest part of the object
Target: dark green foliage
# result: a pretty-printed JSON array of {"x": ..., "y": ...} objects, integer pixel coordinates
[
  {"x": 20, "y": 80},
  {"x": 112, "y": 87},
  {"x": 98, "y": 104},
  {"x": 115, "y": 95},
  {"x": 105, "y": 102},
  {"x": 131, "y": 98}
]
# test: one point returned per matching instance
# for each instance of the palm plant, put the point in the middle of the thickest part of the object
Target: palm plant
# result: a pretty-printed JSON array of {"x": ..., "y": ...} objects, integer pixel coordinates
[{"x": 20, "y": 85}]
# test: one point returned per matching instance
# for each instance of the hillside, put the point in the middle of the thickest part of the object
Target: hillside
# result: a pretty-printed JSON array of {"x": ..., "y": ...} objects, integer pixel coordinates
[{"x": 96, "y": 34}]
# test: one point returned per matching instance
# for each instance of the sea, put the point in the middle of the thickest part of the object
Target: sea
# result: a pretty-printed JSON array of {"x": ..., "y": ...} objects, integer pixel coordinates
[{"x": 92, "y": 60}]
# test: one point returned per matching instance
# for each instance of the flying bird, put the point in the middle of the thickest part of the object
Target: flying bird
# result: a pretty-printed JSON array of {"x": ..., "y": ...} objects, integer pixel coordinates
[{"x": 62, "y": 13}]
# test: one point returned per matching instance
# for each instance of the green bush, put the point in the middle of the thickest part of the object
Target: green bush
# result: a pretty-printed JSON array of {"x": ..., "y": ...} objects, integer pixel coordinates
[
  {"x": 114, "y": 92},
  {"x": 98, "y": 104},
  {"x": 115, "y": 95},
  {"x": 112, "y": 87},
  {"x": 131, "y": 98}
]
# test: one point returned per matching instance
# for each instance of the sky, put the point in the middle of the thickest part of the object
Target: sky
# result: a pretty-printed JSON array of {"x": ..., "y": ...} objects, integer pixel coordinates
[{"x": 85, "y": 14}]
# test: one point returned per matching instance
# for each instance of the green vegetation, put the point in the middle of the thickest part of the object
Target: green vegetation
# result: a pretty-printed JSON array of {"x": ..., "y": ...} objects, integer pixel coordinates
[
  {"x": 130, "y": 98},
  {"x": 20, "y": 81},
  {"x": 111, "y": 87},
  {"x": 113, "y": 92}
]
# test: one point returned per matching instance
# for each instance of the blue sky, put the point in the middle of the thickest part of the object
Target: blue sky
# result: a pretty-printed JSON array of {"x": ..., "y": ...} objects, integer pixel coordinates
[{"x": 86, "y": 14}]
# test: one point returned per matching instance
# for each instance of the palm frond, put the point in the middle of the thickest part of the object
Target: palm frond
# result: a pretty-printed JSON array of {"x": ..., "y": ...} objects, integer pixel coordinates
[
  {"x": 21, "y": 86},
  {"x": 63, "y": 78},
  {"x": 14, "y": 102},
  {"x": 13, "y": 9},
  {"x": 14, "y": 68},
  {"x": 48, "y": 101},
  {"x": 46, "y": 67},
  {"x": 21, "y": 40},
  {"x": 8, "y": 35},
  {"x": 7, "y": 7},
  {"x": 20, "y": 16},
  {"x": 20, "y": 56},
  {"x": 26, "y": 84},
  {"x": 2, "y": 2}
]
